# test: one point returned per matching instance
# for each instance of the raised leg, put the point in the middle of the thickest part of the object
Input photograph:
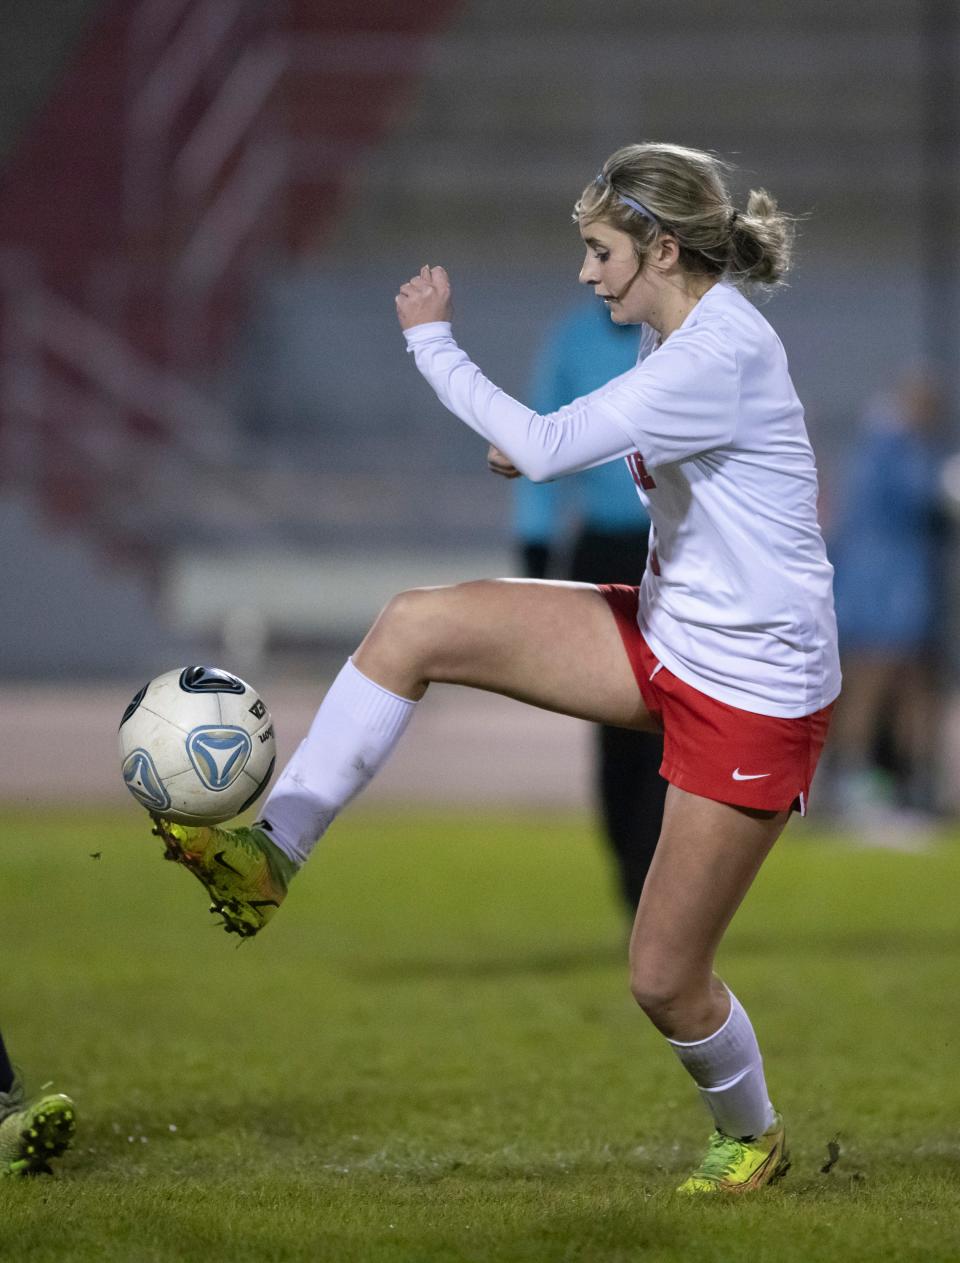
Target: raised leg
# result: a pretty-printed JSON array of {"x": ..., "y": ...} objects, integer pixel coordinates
[{"x": 552, "y": 644}]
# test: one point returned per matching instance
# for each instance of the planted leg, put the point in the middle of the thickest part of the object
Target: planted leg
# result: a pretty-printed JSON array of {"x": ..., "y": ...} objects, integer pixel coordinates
[{"x": 706, "y": 859}]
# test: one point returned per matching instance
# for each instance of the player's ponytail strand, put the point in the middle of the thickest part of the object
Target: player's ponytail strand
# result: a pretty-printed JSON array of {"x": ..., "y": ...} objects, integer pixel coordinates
[{"x": 761, "y": 241}]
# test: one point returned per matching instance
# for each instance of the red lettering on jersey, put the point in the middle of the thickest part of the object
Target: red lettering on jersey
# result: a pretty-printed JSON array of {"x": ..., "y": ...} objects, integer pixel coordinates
[
  {"x": 655, "y": 562},
  {"x": 638, "y": 471}
]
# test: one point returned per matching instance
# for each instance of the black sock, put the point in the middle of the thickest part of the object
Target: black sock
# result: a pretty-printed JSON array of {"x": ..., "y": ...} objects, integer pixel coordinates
[{"x": 6, "y": 1070}]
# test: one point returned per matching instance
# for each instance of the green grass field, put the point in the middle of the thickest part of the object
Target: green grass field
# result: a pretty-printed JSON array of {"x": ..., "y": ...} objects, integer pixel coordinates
[{"x": 432, "y": 1053}]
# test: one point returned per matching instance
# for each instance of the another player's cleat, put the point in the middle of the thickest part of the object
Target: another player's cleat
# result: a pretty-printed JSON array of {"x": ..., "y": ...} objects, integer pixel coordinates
[
  {"x": 245, "y": 874},
  {"x": 740, "y": 1166},
  {"x": 33, "y": 1132}
]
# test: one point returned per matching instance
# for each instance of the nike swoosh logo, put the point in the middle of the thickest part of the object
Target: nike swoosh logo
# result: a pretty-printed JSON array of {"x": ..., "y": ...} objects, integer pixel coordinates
[
  {"x": 218, "y": 859},
  {"x": 742, "y": 776}
]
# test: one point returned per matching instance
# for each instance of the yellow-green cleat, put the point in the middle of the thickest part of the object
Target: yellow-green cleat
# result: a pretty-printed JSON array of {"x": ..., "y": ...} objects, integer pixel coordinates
[
  {"x": 740, "y": 1166},
  {"x": 33, "y": 1132},
  {"x": 245, "y": 874}
]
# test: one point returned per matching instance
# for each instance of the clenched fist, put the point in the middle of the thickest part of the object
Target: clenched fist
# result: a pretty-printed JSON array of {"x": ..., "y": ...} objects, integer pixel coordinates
[{"x": 424, "y": 298}]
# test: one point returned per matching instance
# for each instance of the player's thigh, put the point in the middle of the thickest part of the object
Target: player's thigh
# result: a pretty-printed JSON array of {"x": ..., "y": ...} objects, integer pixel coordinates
[
  {"x": 706, "y": 859},
  {"x": 553, "y": 644}
]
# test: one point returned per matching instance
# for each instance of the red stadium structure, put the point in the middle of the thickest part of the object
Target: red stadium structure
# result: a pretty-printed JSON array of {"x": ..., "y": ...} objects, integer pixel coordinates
[{"x": 183, "y": 141}]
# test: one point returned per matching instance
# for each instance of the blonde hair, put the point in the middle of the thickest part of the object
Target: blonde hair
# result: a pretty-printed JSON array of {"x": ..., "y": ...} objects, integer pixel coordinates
[{"x": 651, "y": 188}]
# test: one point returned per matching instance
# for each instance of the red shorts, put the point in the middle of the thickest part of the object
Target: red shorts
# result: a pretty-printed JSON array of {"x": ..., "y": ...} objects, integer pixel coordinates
[{"x": 713, "y": 749}]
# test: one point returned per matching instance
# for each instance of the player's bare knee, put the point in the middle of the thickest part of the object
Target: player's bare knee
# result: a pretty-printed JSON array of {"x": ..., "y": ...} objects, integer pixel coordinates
[
  {"x": 412, "y": 622},
  {"x": 405, "y": 610},
  {"x": 657, "y": 989}
]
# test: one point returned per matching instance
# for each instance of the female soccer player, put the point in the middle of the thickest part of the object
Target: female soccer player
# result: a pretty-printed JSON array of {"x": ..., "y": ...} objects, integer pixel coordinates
[{"x": 728, "y": 646}]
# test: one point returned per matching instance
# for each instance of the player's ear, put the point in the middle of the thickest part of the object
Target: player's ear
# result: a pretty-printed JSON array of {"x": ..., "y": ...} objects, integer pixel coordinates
[{"x": 666, "y": 250}]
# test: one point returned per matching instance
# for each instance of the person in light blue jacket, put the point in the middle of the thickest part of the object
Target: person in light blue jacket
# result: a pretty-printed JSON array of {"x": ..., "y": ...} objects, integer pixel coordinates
[
  {"x": 888, "y": 550},
  {"x": 592, "y": 527}
]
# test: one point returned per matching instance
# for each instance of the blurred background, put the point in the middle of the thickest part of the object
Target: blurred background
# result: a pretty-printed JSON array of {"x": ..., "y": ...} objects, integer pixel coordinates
[{"x": 212, "y": 444}]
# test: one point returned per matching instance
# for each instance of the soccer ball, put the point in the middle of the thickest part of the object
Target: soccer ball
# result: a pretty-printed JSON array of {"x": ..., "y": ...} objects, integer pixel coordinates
[{"x": 197, "y": 745}]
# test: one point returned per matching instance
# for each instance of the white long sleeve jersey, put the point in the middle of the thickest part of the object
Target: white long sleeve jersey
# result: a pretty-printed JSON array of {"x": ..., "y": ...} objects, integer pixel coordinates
[{"x": 737, "y": 597}]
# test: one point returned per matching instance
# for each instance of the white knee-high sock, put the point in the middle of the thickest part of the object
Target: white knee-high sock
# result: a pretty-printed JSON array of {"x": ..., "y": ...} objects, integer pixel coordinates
[
  {"x": 352, "y": 734},
  {"x": 728, "y": 1070}
]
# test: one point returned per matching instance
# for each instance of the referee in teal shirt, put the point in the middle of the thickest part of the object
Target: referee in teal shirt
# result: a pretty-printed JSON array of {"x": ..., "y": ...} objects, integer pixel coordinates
[{"x": 592, "y": 527}]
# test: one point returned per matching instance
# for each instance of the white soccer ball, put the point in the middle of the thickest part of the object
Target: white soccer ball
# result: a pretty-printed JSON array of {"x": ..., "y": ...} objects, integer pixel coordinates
[{"x": 197, "y": 745}]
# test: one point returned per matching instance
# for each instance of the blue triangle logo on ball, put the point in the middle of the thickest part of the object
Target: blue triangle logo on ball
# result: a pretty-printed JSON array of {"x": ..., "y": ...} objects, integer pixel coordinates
[
  {"x": 143, "y": 781},
  {"x": 218, "y": 755}
]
